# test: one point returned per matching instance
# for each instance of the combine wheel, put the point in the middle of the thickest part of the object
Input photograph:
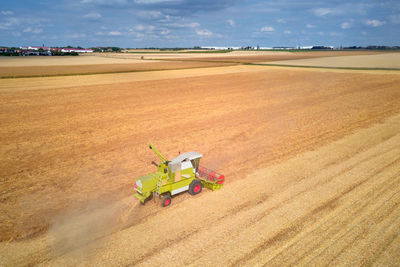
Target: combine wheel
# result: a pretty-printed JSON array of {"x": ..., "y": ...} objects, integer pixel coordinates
[
  {"x": 195, "y": 187},
  {"x": 166, "y": 200},
  {"x": 147, "y": 199}
]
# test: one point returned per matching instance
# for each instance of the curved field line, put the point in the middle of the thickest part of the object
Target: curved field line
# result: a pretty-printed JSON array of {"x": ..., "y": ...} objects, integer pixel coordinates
[{"x": 321, "y": 67}]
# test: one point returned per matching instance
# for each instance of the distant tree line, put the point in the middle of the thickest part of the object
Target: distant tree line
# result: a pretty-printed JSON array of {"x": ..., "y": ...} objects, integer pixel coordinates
[
  {"x": 373, "y": 47},
  {"x": 39, "y": 52},
  {"x": 321, "y": 48},
  {"x": 59, "y": 53},
  {"x": 9, "y": 51},
  {"x": 106, "y": 49}
]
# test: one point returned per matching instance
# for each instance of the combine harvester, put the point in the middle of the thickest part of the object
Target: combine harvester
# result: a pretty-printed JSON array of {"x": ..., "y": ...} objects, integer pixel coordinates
[{"x": 181, "y": 174}]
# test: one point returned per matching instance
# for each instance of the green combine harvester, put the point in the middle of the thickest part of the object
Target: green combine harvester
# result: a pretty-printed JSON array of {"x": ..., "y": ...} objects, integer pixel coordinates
[{"x": 181, "y": 174}]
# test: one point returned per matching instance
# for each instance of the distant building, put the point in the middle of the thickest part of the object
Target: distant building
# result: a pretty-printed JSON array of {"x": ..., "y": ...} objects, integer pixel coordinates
[
  {"x": 77, "y": 50},
  {"x": 305, "y": 47},
  {"x": 36, "y": 48},
  {"x": 283, "y": 48},
  {"x": 221, "y": 47},
  {"x": 45, "y": 48}
]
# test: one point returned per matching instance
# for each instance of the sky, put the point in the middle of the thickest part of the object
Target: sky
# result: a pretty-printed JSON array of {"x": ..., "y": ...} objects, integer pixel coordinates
[{"x": 184, "y": 23}]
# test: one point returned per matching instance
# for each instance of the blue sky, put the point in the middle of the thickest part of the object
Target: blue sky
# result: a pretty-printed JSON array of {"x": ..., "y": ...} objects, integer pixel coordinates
[{"x": 184, "y": 23}]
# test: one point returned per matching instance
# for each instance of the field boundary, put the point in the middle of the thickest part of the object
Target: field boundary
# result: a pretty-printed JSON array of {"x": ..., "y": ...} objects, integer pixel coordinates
[
  {"x": 227, "y": 64},
  {"x": 114, "y": 72},
  {"x": 319, "y": 67},
  {"x": 272, "y": 65}
]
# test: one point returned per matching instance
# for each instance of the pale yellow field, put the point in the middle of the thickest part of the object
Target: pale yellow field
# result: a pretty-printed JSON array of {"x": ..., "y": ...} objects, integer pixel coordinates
[
  {"x": 239, "y": 56},
  {"x": 65, "y": 61},
  {"x": 98, "y": 79},
  {"x": 185, "y": 55},
  {"x": 311, "y": 159},
  {"x": 337, "y": 205},
  {"x": 386, "y": 60}
]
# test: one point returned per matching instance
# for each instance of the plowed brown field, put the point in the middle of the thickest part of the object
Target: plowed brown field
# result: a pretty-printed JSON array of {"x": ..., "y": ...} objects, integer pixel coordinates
[
  {"x": 57, "y": 70},
  {"x": 311, "y": 160}
]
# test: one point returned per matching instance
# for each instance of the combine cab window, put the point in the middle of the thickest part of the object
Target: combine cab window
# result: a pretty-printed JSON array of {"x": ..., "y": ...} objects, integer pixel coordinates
[
  {"x": 195, "y": 163},
  {"x": 186, "y": 164}
]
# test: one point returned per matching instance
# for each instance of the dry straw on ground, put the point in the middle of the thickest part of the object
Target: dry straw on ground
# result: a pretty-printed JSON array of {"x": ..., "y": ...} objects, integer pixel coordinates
[{"x": 73, "y": 146}]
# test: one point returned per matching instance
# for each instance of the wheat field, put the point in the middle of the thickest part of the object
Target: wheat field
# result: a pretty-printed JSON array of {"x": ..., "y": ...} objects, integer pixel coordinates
[{"x": 311, "y": 159}]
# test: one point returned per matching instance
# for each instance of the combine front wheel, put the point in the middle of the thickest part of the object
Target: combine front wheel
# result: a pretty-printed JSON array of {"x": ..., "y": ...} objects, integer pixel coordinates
[
  {"x": 195, "y": 187},
  {"x": 166, "y": 200}
]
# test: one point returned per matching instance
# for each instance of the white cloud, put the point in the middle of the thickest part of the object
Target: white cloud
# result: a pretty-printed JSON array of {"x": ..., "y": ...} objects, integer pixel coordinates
[
  {"x": 204, "y": 32},
  {"x": 7, "y": 12},
  {"x": 9, "y": 23},
  {"x": 321, "y": 12},
  {"x": 110, "y": 33},
  {"x": 16, "y": 34},
  {"x": 183, "y": 25},
  {"x": 92, "y": 15},
  {"x": 374, "y": 22},
  {"x": 152, "y": 1},
  {"x": 168, "y": 18},
  {"x": 33, "y": 30},
  {"x": 165, "y": 31},
  {"x": 345, "y": 25},
  {"x": 115, "y": 33},
  {"x": 151, "y": 13},
  {"x": 345, "y": 8},
  {"x": 364, "y": 33},
  {"x": 395, "y": 19},
  {"x": 139, "y": 35},
  {"x": 105, "y": 2},
  {"x": 192, "y": 25},
  {"x": 37, "y": 30},
  {"x": 267, "y": 29},
  {"x": 231, "y": 22},
  {"x": 281, "y": 20},
  {"x": 147, "y": 28},
  {"x": 310, "y": 26},
  {"x": 77, "y": 35},
  {"x": 140, "y": 27},
  {"x": 287, "y": 32},
  {"x": 335, "y": 34}
]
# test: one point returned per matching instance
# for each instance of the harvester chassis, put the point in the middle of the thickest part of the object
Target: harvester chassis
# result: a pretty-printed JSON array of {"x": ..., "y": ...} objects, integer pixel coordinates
[{"x": 176, "y": 176}]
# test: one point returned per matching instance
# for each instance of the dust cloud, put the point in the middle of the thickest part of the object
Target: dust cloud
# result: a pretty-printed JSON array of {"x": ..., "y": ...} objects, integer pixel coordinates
[{"x": 78, "y": 231}]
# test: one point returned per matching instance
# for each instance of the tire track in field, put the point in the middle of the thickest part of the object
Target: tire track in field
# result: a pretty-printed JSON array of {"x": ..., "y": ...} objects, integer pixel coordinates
[
  {"x": 363, "y": 231},
  {"x": 245, "y": 217},
  {"x": 328, "y": 228},
  {"x": 259, "y": 201},
  {"x": 389, "y": 256},
  {"x": 249, "y": 202},
  {"x": 386, "y": 177},
  {"x": 299, "y": 225},
  {"x": 244, "y": 226},
  {"x": 154, "y": 213},
  {"x": 354, "y": 234},
  {"x": 278, "y": 257}
]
